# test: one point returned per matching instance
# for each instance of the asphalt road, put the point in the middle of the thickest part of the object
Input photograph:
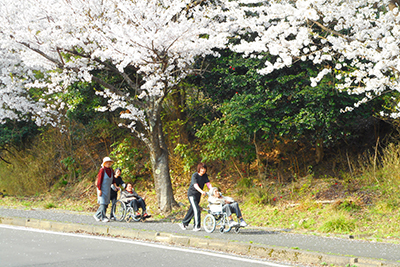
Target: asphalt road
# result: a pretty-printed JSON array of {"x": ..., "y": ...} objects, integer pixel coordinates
[
  {"x": 280, "y": 238},
  {"x": 20, "y": 246}
]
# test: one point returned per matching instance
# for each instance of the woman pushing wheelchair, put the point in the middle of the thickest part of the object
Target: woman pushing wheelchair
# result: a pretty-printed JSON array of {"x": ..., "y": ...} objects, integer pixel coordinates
[{"x": 229, "y": 206}]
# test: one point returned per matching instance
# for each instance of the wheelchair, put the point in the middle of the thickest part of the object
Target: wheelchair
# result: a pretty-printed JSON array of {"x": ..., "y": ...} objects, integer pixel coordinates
[
  {"x": 123, "y": 211},
  {"x": 217, "y": 217}
]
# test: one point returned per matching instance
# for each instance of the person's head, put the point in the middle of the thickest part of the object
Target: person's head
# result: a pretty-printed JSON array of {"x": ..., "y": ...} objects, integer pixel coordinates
[
  {"x": 214, "y": 192},
  {"x": 129, "y": 186},
  {"x": 107, "y": 162},
  {"x": 117, "y": 172},
  {"x": 201, "y": 168}
]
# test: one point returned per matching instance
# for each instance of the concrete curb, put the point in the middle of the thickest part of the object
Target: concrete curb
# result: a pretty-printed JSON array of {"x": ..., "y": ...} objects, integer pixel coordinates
[{"x": 255, "y": 250}]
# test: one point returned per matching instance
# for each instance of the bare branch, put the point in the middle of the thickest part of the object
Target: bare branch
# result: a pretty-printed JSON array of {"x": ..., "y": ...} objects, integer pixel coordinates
[{"x": 55, "y": 61}]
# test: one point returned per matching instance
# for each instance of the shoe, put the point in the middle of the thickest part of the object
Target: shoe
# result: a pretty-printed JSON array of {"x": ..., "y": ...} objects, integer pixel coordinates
[
  {"x": 196, "y": 229},
  {"x": 95, "y": 217},
  {"x": 243, "y": 223},
  {"x": 105, "y": 220},
  {"x": 232, "y": 223},
  {"x": 112, "y": 219},
  {"x": 145, "y": 216},
  {"x": 182, "y": 226}
]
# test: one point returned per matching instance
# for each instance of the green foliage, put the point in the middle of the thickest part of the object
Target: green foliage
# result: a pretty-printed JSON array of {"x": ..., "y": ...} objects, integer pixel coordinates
[
  {"x": 349, "y": 206},
  {"x": 82, "y": 103},
  {"x": 308, "y": 224},
  {"x": 50, "y": 205},
  {"x": 281, "y": 105},
  {"x": 225, "y": 141},
  {"x": 129, "y": 158},
  {"x": 245, "y": 183},
  {"x": 259, "y": 196},
  {"x": 338, "y": 223},
  {"x": 188, "y": 155},
  {"x": 17, "y": 133},
  {"x": 72, "y": 167}
]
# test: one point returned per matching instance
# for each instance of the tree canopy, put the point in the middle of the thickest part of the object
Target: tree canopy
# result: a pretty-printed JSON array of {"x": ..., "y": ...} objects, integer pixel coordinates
[{"x": 137, "y": 52}]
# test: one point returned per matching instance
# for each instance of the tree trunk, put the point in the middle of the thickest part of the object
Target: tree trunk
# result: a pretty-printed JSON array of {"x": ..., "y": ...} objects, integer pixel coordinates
[
  {"x": 179, "y": 98},
  {"x": 319, "y": 148},
  {"x": 159, "y": 161},
  {"x": 162, "y": 179}
]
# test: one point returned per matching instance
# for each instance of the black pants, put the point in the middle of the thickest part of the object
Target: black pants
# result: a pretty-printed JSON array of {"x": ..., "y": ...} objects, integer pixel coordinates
[
  {"x": 194, "y": 211},
  {"x": 138, "y": 203},
  {"x": 113, "y": 202}
]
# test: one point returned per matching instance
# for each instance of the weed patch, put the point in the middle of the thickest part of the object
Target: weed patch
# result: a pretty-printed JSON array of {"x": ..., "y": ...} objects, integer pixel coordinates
[{"x": 338, "y": 223}]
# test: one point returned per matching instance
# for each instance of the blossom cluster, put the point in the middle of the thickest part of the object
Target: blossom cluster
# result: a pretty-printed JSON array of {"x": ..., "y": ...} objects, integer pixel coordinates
[
  {"x": 158, "y": 41},
  {"x": 70, "y": 41},
  {"x": 358, "y": 38}
]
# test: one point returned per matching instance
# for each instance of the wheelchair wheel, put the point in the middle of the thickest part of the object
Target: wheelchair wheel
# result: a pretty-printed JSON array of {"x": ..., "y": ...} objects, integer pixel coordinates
[
  {"x": 131, "y": 216},
  {"x": 119, "y": 210},
  {"x": 209, "y": 223},
  {"x": 225, "y": 226}
]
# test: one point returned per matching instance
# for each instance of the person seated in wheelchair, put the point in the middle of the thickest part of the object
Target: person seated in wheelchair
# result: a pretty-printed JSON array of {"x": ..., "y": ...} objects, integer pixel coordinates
[
  {"x": 133, "y": 200},
  {"x": 229, "y": 206}
]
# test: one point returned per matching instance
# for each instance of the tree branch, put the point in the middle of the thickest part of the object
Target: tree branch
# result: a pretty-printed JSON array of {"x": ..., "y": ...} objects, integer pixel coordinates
[
  {"x": 331, "y": 31},
  {"x": 117, "y": 91},
  {"x": 55, "y": 61},
  {"x": 111, "y": 67}
]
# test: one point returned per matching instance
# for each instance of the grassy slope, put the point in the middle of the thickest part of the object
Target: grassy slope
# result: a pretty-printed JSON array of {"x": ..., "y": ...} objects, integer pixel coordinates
[
  {"x": 362, "y": 203},
  {"x": 367, "y": 210}
]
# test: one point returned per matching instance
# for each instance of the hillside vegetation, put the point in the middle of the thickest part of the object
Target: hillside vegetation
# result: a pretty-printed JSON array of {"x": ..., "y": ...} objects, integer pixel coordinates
[{"x": 352, "y": 191}]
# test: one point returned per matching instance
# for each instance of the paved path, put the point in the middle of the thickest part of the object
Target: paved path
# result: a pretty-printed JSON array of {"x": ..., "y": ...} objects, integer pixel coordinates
[{"x": 372, "y": 253}]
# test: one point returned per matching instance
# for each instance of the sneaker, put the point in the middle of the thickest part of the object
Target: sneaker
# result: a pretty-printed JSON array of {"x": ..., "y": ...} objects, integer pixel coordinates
[
  {"x": 243, "y": 223},
  {"x": 182, "y": 226},
  {"x": 196, "y": 229},
  {"x": 95, "y": 217},
  {"x": 112, "y": 218},
  {"x": 145, "y": 216},
  {"x": 105, "y": 220},
  {"x": 232, "y": 223}
]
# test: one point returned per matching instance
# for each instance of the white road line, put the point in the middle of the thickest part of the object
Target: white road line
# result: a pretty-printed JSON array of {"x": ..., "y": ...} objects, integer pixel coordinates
[{"x": 143, "y": 244}]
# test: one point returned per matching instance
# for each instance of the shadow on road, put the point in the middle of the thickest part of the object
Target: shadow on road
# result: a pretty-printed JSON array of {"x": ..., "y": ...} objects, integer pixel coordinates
[{"x": 258, "y": 232}]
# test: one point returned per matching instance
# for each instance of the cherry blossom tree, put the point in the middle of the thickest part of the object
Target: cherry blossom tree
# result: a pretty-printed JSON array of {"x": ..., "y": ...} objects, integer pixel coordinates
[
  {"x": 138, "y": 51},
  {"x": 356, "y": 40},
  {"x": 15, "y": 100}
]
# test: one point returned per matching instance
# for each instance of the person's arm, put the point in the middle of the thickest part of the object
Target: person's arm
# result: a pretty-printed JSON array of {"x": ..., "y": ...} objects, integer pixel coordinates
[
  {"x": 123, "y": 183},
  {"x": 135, "y": 195},
  {"x": 228, "y": 200},
  {"x": 100, "y": 180},
  {"x": 197, "y": 187},
  {"x": 123, "y": 197},
  {"x": 114, "y": 187},
  {"x": 209, "y": 185}
]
